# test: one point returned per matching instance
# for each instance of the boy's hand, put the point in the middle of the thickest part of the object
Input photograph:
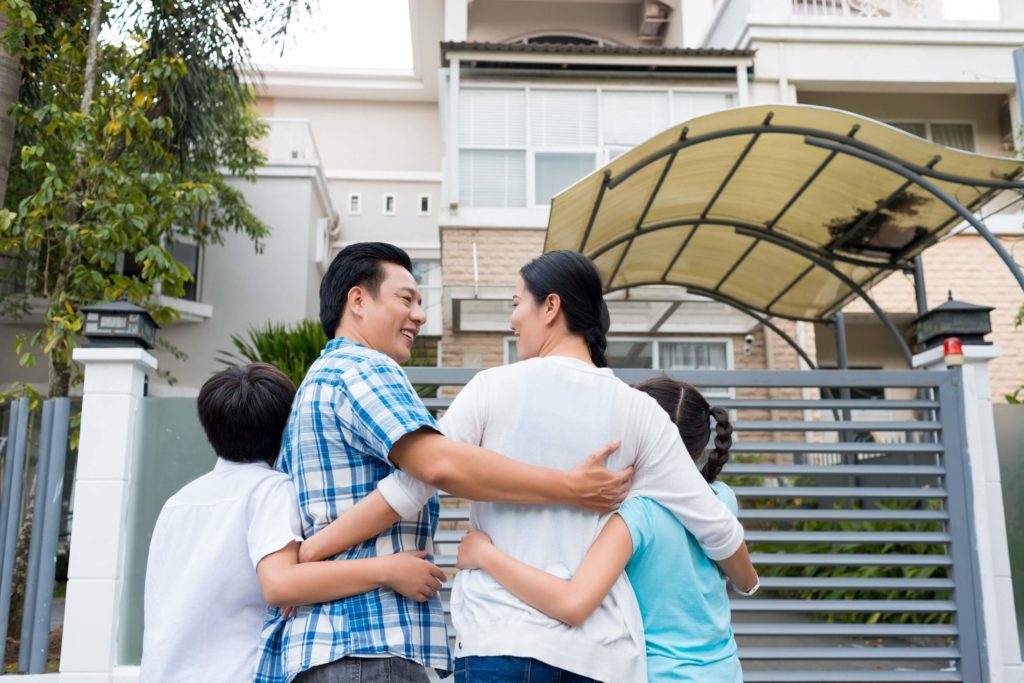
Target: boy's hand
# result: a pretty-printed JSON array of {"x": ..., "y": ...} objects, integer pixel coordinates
[
  {"x": 473, "y": 549},
  {"x": 412, "y": 576},
  {"x": 595, "y": 487}
]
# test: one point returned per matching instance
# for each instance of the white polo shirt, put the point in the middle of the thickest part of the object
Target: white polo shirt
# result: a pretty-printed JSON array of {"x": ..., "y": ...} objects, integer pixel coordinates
[{"x": 203, "y": 605}]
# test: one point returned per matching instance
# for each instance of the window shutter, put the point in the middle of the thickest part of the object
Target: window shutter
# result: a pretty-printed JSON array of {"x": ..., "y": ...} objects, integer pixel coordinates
[
  {"x": 492, "y": 178},
  {"x": 690, "y": 105},
  {"x": 563, "y": 118},
  {"x": 632, "y": 117},
  {"x": 492, "y": 118},
  {"x": 956, "y": 135}
]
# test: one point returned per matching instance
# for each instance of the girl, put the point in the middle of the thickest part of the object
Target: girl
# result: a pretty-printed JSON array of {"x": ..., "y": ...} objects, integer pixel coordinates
[{"x": 681, "y": 593}]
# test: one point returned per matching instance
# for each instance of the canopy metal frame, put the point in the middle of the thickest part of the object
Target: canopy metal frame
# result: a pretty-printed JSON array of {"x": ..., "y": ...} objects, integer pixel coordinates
[{"x": 913, "y": 174}]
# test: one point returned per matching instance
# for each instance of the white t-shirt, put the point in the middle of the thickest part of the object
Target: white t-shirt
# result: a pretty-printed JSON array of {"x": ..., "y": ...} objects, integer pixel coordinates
[
  {"x": 552, "y": 412},
  {"x": 203, "y": 605}
]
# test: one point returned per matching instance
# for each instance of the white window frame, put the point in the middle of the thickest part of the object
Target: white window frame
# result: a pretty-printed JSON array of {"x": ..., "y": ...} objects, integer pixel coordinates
[
  {"x": 384, "y": 203},
  {"x": 420, "y": 211},
  {"x": 358, "y": 196},
  {"x": 599, "y": 150},
  {"x": 655, "y": 352},
  {"x": 927, "y": 123}
]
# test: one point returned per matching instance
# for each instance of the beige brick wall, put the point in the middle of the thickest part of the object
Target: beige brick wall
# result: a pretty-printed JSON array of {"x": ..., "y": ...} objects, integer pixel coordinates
[
  {"x": 968, "y": 266},
  {"x": 500, "y": 254}
]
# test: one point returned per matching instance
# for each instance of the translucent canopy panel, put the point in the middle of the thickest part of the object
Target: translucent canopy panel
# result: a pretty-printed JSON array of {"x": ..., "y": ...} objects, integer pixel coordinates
[{"x": 783, "y": 210}]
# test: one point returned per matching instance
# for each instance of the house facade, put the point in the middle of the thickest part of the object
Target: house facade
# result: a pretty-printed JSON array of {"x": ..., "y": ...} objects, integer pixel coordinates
[{"x": 510, "y": 101}]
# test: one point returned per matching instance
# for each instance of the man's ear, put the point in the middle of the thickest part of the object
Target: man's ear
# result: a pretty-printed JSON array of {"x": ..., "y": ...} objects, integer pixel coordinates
[
  {"x": 552, "y": 305},
  {"x": 356, "y": 300}
]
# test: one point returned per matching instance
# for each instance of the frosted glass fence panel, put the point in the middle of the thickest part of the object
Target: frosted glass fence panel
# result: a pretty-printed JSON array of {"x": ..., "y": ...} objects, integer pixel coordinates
[{"x": 170, "y": 451}]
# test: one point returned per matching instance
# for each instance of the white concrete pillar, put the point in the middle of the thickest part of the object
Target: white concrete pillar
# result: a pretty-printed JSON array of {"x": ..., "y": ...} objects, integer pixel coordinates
[
  {"x": 115, "y": 380},
  {"x": 987, "y": 505}
]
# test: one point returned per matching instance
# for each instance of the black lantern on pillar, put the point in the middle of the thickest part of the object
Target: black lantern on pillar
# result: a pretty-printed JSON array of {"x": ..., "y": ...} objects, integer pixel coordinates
[
  {"x": 968, "y": 322},
  {"x": 119, "y": 323}
]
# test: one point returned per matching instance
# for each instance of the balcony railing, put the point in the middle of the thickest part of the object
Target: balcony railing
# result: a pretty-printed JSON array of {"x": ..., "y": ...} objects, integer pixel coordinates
[
  {"x": 872, "y": 9},
  {"x": 289, "y": 141}
]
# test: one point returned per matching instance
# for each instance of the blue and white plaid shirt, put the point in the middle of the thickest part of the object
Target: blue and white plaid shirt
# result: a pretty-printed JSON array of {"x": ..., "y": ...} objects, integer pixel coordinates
[{"x": 353, "y": 406}]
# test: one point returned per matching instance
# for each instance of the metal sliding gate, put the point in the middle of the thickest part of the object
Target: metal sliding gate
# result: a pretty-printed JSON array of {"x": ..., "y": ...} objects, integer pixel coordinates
[{"x": 854, "y": 490}]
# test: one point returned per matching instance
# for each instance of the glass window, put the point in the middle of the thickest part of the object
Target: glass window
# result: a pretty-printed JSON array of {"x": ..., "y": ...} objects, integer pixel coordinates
[
  {"x": 630, "y": 354},
  {"x": 188, "y": 255},
  {"x": 553, "y": 172},
  {"x": 492, "y": 178},
  {"x": 692, "y": 356}
]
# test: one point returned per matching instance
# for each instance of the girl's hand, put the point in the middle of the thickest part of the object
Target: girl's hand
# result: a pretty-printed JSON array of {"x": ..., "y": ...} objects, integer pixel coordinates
[{"x": 473, "y": 549}]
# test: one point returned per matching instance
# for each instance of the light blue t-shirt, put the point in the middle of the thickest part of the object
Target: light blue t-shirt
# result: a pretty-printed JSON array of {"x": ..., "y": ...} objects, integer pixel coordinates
[{"x": 682, "y": 596}]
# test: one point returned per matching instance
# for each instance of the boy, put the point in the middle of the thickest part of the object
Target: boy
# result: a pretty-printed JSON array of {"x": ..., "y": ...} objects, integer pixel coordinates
[{"x": 227, "y": 544}]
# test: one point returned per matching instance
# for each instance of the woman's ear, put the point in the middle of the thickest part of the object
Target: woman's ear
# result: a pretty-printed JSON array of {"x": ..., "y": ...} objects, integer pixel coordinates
[{"x": 551, "y": 308}]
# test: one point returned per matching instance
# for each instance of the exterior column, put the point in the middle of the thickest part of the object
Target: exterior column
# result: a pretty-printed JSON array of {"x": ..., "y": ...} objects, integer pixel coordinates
[
  {"x": 115, "y": 380},
  {"x": 1004, "y": 657}
]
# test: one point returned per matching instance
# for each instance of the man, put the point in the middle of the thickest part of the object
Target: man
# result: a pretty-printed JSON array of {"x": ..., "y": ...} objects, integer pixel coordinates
[{"x": 355, "y": 419}]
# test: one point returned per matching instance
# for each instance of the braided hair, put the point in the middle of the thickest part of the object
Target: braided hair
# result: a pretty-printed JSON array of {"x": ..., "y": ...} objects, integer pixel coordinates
[{"x": 692, "y": 414}]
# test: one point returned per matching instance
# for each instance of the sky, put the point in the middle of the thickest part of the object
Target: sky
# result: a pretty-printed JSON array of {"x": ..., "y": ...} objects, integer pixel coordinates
[
  {"x": 361, "y": 34},
  {"x": 348, "y": 34}
]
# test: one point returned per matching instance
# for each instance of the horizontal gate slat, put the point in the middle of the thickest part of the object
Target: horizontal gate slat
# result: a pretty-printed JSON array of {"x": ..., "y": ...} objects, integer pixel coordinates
[
  {"x": 835, "y": 426},
  {"x": 857, "y": 470},
  {"x": 820, "y": 447},
  {"x": 867, "y": 676},
  {"x": 848, "y": 514},
  {"x": 766, "y": 605},
  {"x": 829, "y": 583},
  {"x": 450, "y": 536},
  {"x": 852, "y": 515},
  {"x": 845, "y": 630},
  {"x": 836, "y": 492},
  {"x": 825, "y": 404},
  {"x": 846, "y": 536},
  {"x": 850, "y": 559},
  {"x": 816, "y": 653}
]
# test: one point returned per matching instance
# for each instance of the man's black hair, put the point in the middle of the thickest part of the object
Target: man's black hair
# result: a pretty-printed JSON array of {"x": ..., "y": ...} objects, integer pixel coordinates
[
  {"x": 357, "y": 265},
  {"x": 244, "y": 411}
]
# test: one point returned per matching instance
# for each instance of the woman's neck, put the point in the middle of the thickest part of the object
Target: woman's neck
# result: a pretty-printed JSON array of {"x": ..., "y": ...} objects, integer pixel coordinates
[{"x": 566, "y": 346}]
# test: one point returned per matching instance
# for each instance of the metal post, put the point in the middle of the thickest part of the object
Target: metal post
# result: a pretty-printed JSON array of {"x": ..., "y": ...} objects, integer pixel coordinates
[
  {"x": 919, "y": 290},
  {"x": 38, "y": 515},
  {"x": 842, "y": 363},
  {"x": 12, "y": 441},
  {"x": 13, "y": 518},
  {"x": 1018, "y": 70},
  {"x": 51, "y": 530}
]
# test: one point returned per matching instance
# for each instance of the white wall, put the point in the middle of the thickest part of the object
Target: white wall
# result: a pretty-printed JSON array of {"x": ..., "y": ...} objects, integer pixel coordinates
[
  {"x": 379, "y": 135},
  {"x": 498, "y": 21},
  {"x": 406, "y": 228},
  {"x": 246, "y": 288}
]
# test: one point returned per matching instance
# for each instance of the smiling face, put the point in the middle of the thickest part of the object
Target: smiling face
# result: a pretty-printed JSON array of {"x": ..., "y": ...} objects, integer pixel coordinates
[
  {"x": 529, "y": 322},
  {"x": 391, "y": 320}
]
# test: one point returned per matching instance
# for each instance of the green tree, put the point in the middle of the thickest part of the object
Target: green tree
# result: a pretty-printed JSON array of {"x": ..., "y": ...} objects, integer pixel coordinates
[{"x": 122, "y": 148}]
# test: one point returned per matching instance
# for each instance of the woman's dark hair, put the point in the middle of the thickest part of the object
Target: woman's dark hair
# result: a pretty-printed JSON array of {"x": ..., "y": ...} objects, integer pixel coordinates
[
  {"x": 574, "y": 278},
  {"x": 689, "y": 411},
  {"x": 244, "y": 411},
  {"x": 357, "y": 265}
]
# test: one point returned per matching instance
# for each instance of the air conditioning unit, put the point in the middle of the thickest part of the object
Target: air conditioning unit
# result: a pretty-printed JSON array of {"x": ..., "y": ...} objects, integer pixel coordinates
[{"x": 654, "y": 18}]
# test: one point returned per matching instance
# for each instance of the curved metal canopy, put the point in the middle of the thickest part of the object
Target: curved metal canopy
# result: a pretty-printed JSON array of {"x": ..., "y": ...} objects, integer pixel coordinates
[{"x": 784, "y": 210}]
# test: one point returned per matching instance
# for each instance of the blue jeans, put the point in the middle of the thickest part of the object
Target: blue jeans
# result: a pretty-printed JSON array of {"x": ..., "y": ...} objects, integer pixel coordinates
[{"x": 511, "y": 670}]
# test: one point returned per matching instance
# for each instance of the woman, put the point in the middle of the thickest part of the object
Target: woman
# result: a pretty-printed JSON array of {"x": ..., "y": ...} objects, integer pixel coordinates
[
  {"x": 681, "y": 593},
  {"x": 560, "y": 399}
]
